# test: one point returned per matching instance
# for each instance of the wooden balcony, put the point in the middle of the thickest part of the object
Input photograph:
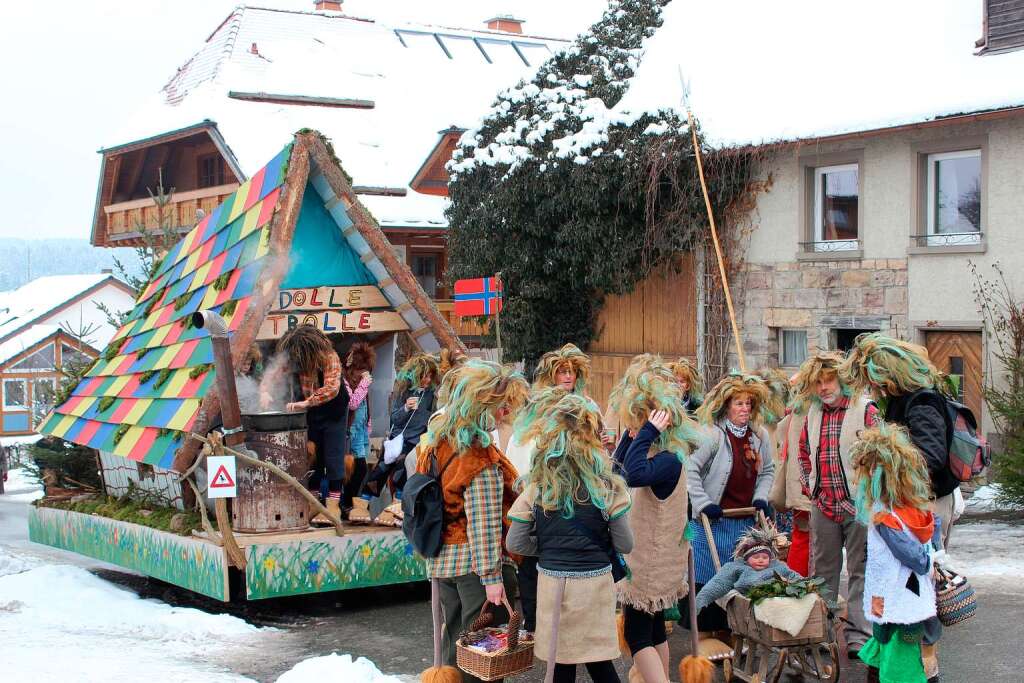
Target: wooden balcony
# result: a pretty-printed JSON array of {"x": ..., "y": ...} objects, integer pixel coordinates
[
  {"x": 123, "y": 220},
  {"x": 464, "y": 327}
]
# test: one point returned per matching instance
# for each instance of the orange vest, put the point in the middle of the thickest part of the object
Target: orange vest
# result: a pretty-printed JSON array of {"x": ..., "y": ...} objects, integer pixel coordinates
[{"x": 457, "y": 477}]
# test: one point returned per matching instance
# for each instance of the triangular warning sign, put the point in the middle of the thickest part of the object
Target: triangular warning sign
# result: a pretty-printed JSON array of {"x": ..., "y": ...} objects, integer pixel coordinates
[{"x": 222, "y": 480}]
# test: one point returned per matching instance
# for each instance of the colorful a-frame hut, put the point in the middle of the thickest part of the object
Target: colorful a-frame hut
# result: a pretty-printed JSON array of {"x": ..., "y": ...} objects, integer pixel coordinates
[{"x": 292, "y": 245}]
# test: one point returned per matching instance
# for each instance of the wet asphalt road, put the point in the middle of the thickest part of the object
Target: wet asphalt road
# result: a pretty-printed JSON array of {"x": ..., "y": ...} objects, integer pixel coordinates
[{"x": 391, "y": 625}]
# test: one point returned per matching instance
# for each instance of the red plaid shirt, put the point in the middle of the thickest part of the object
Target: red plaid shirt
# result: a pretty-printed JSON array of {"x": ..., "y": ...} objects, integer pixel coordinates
[{"x": 833, "y": 491}]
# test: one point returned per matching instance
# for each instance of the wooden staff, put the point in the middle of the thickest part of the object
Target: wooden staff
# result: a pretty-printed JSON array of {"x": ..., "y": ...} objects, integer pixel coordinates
[
  {"x": 714, "y": 235},
  {"x": 280, "y": 473}
]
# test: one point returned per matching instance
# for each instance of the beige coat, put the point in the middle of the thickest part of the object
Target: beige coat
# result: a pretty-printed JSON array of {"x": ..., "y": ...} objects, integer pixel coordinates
[{"x": 787, "y": 492}]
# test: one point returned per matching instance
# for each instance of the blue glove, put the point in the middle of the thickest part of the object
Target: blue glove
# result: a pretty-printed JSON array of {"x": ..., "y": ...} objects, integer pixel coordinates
[
  {"x": 713, "y": 511},
  {"x": 761, "y": 505}
]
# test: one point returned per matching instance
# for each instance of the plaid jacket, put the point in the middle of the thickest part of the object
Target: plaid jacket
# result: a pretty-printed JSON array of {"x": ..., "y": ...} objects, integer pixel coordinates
[
  {"x": 833, "y": 491},
  {"x": 482, "y": 555}
]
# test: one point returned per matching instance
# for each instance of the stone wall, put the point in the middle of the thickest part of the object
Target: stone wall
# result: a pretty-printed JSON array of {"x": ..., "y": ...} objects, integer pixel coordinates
[{"x": 820, "y": 296}]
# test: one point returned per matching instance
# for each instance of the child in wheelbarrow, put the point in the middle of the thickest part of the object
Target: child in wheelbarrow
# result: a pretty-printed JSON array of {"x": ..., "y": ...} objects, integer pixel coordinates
[{"x": 755, "y": 563}]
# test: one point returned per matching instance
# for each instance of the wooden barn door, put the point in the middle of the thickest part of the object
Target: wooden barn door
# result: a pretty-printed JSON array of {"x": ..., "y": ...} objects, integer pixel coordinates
[
  {"x": 659, "y": 316},
  {"x": 959, "y": 354}
]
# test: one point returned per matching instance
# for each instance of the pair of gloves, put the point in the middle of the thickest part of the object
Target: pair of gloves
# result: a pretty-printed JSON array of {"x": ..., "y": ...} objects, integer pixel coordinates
[{"x": 715, "y": 511}]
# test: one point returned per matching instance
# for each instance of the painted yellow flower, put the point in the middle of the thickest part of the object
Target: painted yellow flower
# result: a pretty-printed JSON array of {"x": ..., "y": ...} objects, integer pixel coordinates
[
  {"x": 269, "y": 563},
  {"x": 366, "y": 551}
]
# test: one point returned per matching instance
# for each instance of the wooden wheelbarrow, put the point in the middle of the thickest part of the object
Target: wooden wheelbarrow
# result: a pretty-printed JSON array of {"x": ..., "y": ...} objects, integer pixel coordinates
[{"x": 760, "y": 653}]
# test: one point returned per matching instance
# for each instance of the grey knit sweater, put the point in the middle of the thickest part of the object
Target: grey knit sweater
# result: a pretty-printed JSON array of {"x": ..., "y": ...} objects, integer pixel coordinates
[{"x": 738, "y": 575}]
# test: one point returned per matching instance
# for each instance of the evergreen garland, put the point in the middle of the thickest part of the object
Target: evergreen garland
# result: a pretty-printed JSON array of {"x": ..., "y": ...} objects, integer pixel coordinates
[{"x": 568, "y": 199}]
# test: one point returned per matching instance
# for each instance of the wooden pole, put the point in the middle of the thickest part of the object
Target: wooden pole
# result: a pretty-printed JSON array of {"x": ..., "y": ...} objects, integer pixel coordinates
[
  {"x": 497, "y": 317},
  {"x": 718, "y": 248}
]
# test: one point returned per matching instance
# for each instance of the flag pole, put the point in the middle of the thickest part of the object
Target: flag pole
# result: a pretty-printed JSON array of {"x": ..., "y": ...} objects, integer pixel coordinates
[
  {"x": 714, "y": 231},
  {"x": 497, "y": 313}
]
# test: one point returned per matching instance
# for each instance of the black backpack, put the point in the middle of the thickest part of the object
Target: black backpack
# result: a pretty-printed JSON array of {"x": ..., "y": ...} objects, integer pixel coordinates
[{"x": 423, "y": 509}]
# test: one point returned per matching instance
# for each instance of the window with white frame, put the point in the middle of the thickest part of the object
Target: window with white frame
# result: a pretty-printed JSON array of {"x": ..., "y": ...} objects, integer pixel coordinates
[
  {"x": 792, "y": 348},
  {"x": 15, "y": 394},
  {"x": 954, "y": 198},
  {"x": 836, "y": 207}
]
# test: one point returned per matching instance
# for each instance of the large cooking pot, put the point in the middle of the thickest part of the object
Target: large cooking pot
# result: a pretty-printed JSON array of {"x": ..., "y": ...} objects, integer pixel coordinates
[{"x": 273, "y": 421}]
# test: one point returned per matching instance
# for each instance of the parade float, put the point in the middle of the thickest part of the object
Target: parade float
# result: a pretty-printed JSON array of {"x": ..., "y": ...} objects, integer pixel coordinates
[{"x": 291, "y": 246}]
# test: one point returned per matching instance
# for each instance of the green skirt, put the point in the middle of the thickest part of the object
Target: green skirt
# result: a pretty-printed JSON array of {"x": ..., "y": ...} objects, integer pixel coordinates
[{"x": 897, "y": 661}]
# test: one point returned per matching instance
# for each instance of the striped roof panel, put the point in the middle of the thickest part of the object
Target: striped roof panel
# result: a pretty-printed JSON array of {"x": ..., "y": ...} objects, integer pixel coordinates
[{"x": 143, "y": 393}]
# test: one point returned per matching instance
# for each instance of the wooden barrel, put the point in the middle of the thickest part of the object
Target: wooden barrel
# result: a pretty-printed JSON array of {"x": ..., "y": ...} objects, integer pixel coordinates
[{"x": 265, "y": 503}]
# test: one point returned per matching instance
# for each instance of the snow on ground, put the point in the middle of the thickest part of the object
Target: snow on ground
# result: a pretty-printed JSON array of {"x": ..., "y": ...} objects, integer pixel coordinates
[
  {"x": 21, "y": 486},
  {"x": 104, "y": 632},
  {"x": 335, "y": 667},
  {"x": 989, "y": 553},
  {"x": 986, "y": 499}
]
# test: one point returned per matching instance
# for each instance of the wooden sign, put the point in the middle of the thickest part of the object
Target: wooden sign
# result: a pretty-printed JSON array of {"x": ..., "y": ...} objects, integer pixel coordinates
[
  {"x": 348, "y": 322},
  {"x": 330, "y": 298}
]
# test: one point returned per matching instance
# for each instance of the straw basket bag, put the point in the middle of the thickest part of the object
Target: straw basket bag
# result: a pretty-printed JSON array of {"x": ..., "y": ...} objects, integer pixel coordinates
[
  {"x": 515, "y": 658},
  {"x": 954, "y": 598}
]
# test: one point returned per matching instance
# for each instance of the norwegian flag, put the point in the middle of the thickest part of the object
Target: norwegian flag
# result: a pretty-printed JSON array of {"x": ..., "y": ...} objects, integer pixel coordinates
[{"x": 477, "y": 296}]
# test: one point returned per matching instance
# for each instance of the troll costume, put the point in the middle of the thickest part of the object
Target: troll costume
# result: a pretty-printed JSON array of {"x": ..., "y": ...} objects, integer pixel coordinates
[
  {"x": 569, "y": 356},
  {"x": 912, "y": 388},
  {"x": 686, "y": 373},
  {"x": 903, "y": 536},
  {"x": 476, "y": 482},
  {"x": 572, "y": 516}
]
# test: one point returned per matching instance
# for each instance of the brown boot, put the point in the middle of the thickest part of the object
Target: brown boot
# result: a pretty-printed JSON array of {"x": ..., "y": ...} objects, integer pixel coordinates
[{"x": 333, "y": 506}]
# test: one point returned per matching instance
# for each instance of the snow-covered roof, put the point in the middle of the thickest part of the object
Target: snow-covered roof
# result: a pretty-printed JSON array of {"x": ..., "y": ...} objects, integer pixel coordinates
[
  {"x": 20, "y": 307},
  {"x": 779, "y": 71},
  {"x": 420, "y": 79},
  {"x": 28, "y": 338}
]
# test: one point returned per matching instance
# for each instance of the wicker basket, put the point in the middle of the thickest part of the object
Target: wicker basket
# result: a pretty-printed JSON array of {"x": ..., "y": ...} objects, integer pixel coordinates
[
  {"x": 516, "y": 658},
  {"x": 742, "y": 621},
  {"x": 954, "y": 598}
]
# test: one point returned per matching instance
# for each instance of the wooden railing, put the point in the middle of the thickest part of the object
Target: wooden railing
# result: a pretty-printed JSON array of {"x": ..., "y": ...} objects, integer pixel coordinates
[
  {"x": 125, "y": 218},
  {"x": 462, "y": 326}
]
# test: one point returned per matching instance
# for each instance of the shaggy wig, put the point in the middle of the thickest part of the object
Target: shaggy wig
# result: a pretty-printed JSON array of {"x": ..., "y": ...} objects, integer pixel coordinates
[
  {"x": 774, "y": 408},
  {"x": 822, "y": 365},
  {"x": 649, "y": 385},
  {"x": 762, "y": 537},
  {"x": 449, "y": 359},
  {"x": 415, "y": 370},
  {"x": 888, "y": 471},
  {"x": 532, "y": 416},
  {"x": 887, "y": 366},
  {"x": 307, "y": 347},
  {"x": 570, "y": 466},
  {"x": 360, "y": 358},
  {"x": 472, "y": 395},
  {"x": 716, "y": 403},
  {"x": 685, "y": 371},
  {"x": 570, "y": 357}
]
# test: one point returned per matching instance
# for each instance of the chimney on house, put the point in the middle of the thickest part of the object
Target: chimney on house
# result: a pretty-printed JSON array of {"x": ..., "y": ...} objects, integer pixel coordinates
[
  {"x": 106, "y": 271},
  {"x": 506, "y": 23},
  {"x": 327, "y": 5}
]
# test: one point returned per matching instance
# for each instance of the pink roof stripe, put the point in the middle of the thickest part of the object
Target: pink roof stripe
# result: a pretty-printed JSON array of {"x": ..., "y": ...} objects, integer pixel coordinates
[
  {"x": 88, "y": 431},
  {"x": 181, "y": 358},
  {"x": 121, "y": 411},
  {"x": 142, "y": 446}
]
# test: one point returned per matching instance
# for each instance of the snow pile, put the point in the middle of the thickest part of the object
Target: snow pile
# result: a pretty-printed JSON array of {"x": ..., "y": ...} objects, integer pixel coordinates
[
  {"x": 11, "y": 563},
  {"x": 987, "y": 499},
  {"x": 107, "y": 633},
  {"x": 335, "y": 667},
  {"x": 22, "y": 486},
  {"x": 989, "y": 552}
]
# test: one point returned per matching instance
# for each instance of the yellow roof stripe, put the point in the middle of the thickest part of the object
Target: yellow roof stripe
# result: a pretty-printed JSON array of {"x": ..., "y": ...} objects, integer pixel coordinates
[
  {"x": 117, "y": 385},
  {"x": 168, "y": 355},
  {"x": 240, "y": 194},
  {"x": 63, "y": 426},
  {"x": 200, "y": 276},
  {"x": 175, "y": 383},
  {"x": 158, "y": 338},
  {"x": 128, "y": 441},
  {"x": 137, "y": 411},
  {"x": 184, "y": 414},
  {"x": 252, "y": 217},
  {"x": 83, "y": 406}
]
